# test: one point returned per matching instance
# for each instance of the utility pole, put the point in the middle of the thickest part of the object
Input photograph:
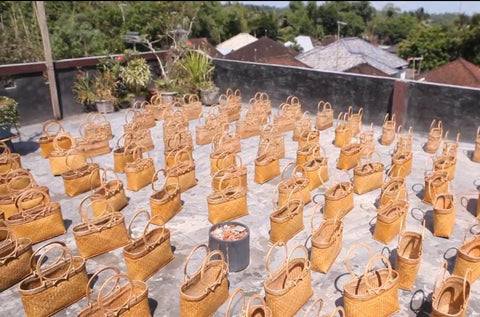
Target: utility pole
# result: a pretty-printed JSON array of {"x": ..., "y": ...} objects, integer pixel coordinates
[
  {"x": 42, "y": 22},
  {"x": 338, "y": 41}
]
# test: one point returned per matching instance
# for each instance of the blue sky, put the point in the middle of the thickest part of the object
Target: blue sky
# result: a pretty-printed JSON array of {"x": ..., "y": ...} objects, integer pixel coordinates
[{"x": 467, "y": 7}]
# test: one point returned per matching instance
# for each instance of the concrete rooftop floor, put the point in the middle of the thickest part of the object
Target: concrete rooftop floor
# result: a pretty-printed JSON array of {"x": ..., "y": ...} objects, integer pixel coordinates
[{"x": 190, "y": 227}]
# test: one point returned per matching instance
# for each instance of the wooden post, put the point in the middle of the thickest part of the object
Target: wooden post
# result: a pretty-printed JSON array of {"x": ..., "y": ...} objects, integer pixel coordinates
[{"x": 42, "y": 22}]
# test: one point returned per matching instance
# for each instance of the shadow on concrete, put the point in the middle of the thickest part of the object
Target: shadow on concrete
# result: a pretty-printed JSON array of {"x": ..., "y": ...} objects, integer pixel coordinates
[
  {"x": 336, "y": 284},
  {"x": 421, "y": 304},
  {"x": 470, "y": 204},
  {"x": 339, "y": 301},
  {"x": 450, "y": 258},
  {"x": 153, "y": 304},
  {"x": 372, "y": 225},
  {"x": 67, "y": 223}
]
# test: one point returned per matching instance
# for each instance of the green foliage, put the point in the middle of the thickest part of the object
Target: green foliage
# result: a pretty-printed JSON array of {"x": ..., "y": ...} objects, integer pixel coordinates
[
  {"x": 136, "y": 74},
  {"x": 199, "y": 70},
  {"x": 8, "y": 112},
  {"x": 392, "y": 30},
  {"x": 83, "y": 89}
]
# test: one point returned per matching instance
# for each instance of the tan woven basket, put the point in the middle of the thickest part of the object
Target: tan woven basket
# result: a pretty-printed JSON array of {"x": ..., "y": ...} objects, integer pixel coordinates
[
  {"x": 296, "y": 186},
  {"x": 302, "y": 126},
  {"x": 316, "y": 170},
  {"x": 349, "y": 156},
  {"x": 59, "y": 285},
  {"x": 203, "y": 292},
  {"x": 110, "y": 190},
  {"x": 220, "y": 160},
  {"x": 326, "y": 242},
  {"x": 229, "y": 176},
  {"x": 15, "y": 254},
  {"x": 375, "y": 293},
  {"x": 228, "y": 203},
  {"x": 165, "y": 202},
  {"x": 409, "y": 257},
  {"x": 267, "y": 167},
  {"x": 468, "y": 256},
  {"x": 476, "y": 150},
  {"x": 434, "y": 137},
  {"x": 272, "y": 140},
  {"x": 147, "y": 254},
  {"x": 286, "y": 220},
  {"x": 80, "y": 180},
  {"x": 444, "y": 212},
  {"x": 139, "y": 172},
  {"x": 393, "y": 188},
  {"x": 324, "y": 119},
  {"x": 402, "y": 163},
  {"x": 446, "y": 163},
  {"x": 451, "y": 298},
  {"x": 122, "y": 299},
  {"x": 46, "y": 140},
  {"x": 182, "y": 172},
  {"x": 355, "y": 120},
  {"x": 192, "y": 106},
  {"x": 58, "y": 163},
  {"x": 338, "y": 196},
  {"x": 390, "y": 218},
  {"x": 436, "y": 183},
  {"x": 288, "y": 288},
  {"x": 343, "y": 134},
  {"x": 368, "y": 177},
  {"x": 388, "y": 130}
]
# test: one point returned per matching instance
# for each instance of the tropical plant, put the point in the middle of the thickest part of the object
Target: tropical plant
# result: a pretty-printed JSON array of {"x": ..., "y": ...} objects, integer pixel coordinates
[
  {"x": 136, "y": 74},
  {"x": 83, "y": 89},
  {"x": 199, "y": 69},
  {"x": 8, "y": 112},
  {"x": 104, "y": 85}
]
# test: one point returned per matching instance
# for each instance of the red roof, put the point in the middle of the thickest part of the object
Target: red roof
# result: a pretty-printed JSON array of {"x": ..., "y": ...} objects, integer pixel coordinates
[
  {"x": 261, "y": 49},
  {"x": 285, "y": 60},
  {"x": 460, "y": 72},
  {"x": 203, "y": 44}
]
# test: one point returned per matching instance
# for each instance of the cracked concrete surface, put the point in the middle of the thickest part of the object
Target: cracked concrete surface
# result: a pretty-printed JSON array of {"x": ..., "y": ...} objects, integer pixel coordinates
[{"x": 190, "y": 227}]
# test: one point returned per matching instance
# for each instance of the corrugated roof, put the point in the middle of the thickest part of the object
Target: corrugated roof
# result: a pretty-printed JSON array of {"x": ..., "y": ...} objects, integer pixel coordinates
[
  {"x": 351, "y": 52},
  {"x": 236, "y": 42},
  {"x": 460, "y": 72}
]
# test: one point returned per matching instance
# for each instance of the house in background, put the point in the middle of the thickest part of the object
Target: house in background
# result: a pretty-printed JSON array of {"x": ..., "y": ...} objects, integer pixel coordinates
[
  {"x": 267, "y": 51},
  {"x": 235, "y": 42},
  {"x": 304, "y": 41},
  {"x": 460, "y": 72},
  {"x": 354, "y": 55},
  {"x": 203, "y": 44}
]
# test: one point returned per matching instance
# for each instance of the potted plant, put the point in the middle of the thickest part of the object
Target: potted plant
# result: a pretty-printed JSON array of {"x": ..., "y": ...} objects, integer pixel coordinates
[
  {"x": 136, "y": 75},
  {"x": 104, "y": 85},
  {"x": 8, "y": 116},
  {"x": 83, "y": 90}
]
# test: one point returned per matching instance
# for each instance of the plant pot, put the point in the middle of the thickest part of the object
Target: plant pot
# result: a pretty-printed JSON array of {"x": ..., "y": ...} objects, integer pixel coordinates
[
  {"x": 209, "y": 96},
  {"x": 104, "y": 106},
  {"x": 168, "y": 97},
  {"x": 136, "y": 99},
  {"x": 5, "y": 132},
  {"x": 237, "y": 252}
]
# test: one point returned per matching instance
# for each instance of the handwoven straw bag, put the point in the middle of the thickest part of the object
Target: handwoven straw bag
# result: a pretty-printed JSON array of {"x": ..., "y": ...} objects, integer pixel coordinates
[
  {"x": 301, "y": 126},
  {"x": 159, "y": 107},
  {"x": 409, "y": 256},
  {"x": 369, "y": 176},
  {"x": 229, "y": 107},
  {"x": 326, "y": 242},
  {"x": 262, "y": 102},
  {"x": 273, "y": 139},
  {"x": 56, "y": 286},
  {"x": 8, "y": 160},
  {"x": 248, "y": 309},
  {"x": 444, "y": 212},
  {"x": 355, "y": 120},
  {"x": 46, "y": 140},
  {"x": 285, "y": 119},
  {"x": 339, "y": 196},
  {"x": 388, "y": 130},
  {"x": 192, "y": 106},
  {"x": 295, "y": 106},
  {"x": 476, "y": 151},
  {"x": 289, "y": 287},
  {"x": 82, "y": 179},
  {"x": 110, "y": 190},
  {"x": 127, "y": 299},
  {"x": 446, "y": 163},
  {"x": 267, "y": 167},
  {"x": 451, "y": 298},
  {"x": 98, "y": 123},
  {"x": 141, "y": 136},
  {"x": 183, "y": 171},
  {"x": 390, "y": 218},
  {"x": 393, "y": 187},
  {"x": 296, "y": 186},
  {"x": 404, "y": 141},
  {"x": 101, "y": 234},
  {"x": 316, "y": 169},
  {"x": 123, "y": 154},
  {"x": 375, "y": 293},
  {"x": 450, "y": 148},
  {"x": 434, "y": 137},
  {"x": 286, "y": 220},
  {"x": 203, "y": 292},
  {"x": 228, "y": 140},
  {"x": 402, "y": 163},
  {"x": 309, "y": 137},
  {"x": 147, "y": 254},
  {"x": 58, "y": 163},
  {"x": 436, "y": 183},
  {"x": 367, "y": 140},
  {"x": 204, "y": 133},
  {"x": 349, "y": 156},
  {"x": 249, "y": 126},
  {"x": 165, "y": 202},
  {"x": 324, "y": 118},
  {"x": 307, "y": 152},
  {"x": 228, "y": 203},
  {"x": 220, "y": 160},
  {"x": 15, "y": 256},
  {"x": 38, "y": 223},
  {"x": 343, "y": 134},
  {"x": 95, "y": 144},
  {"x": 140, "y": 171},
  {"x": 145, "y": 114},
  {"x": 468, "y": 255},
  {"x": 229, "y": 174},
  {"x": 186, "y": 153}
]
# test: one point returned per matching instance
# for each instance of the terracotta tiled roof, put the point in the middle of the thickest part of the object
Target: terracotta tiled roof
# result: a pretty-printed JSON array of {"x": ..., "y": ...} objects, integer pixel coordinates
[
  {"x": 365, "y": 69},
  {"x": 285, "y": 60},
  {"x": 264, "y": 48},
  {"x": 460, "y": 72},
  {"x": 203, "y": 44}
]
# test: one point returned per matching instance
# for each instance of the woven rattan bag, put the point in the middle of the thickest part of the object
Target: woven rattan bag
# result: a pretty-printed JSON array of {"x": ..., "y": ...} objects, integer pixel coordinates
[
  {"x": 98, "y": 124},
  {"x": 296, "y": 186},
  {"x": 110, "y": 190},
  {"x": 79, "y": 180},
  {"x": 444, "y": 212},
  {"x": 128, "y": 298},
  {"x": 324, "y": 118},
  {"x": 272, "y": 138},
  {"x": 15, "y": 256},
  {"x": 230, "y": 107},
  {"x": 289, "y": 287},
  {"x": 402, "y": 163},
  {"x": 46, "y": 140},
  {"x": 248, "y": 309},
  {"x": 286, "y": 220},
  {"x": 57, "y": 157},
  {"x": 326, "y": 241},
  {"x": 183, "y": 171},
  {"x": 309, "y": 137},
  {"x": 186, "y": 153},
  {"x": 263, "y": 103},
  {"x": 343, "y": 134},
  {"x": 56, "y": 286},
  {"x": 285, "y": 119},
  {"x": 192, "y": 106},
  {"x": 446, "y": 163},
  {"x": 476, "y": 150},
  {"x": 95, "y": 236},
  {"x": 220, "y": 159},
  {"x": 349, "y": 156},
  {"x": 95, "y": 144},
  {"x": 229, "y": 175},
  {"x": 267, "y": 166},
  {"x": 295, "y": 107},
  {"x": 355, "y": 120},
  {"x": 339, "y": 196},
  {"x": 123, "y": 154},
  {"x": 434, "y": 137},
  {"x": 8, "y": 161},
  {"x": 436, "y": 183},
  {"x": 228, "y": 203},
  {"x": 393, "y": 187},
  {"x": 203, "y": 292},
  {"x": 38, "y": 223},
  {"x": 388, "y": 130},
  {"x": 147, "y": 254},
  {"x": 409, "y": 256},
  {"x": 404, "y": 140},
  {"x": 301, "y": 126},
  {"x": 451, "y": 298},
  {"x": 390, "y": 218},
  {"x": 165, "y": 202},
  {"x": 368, "y": 176},
  {"x": 159, "y": 108},
  {"x": 375, "y": 293},
  {"x": 316, "y": 169},
  {"x": 228, "y": 140},
  {"x": 468, "y": 255},
  {"x": 308, "y": 149},
  {"x": 140, "y": 171}
]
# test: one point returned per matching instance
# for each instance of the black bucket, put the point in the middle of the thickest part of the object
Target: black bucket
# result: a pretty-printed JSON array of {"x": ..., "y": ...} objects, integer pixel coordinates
[{"x": 237, "y": 252}]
